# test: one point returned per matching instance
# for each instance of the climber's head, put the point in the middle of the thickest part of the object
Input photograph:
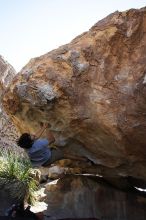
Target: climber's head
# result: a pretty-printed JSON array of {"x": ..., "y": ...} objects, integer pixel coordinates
[{"x": 25, "y": 141}]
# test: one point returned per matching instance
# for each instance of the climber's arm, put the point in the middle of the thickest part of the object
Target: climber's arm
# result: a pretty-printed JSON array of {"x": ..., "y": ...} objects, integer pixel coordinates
[
  {"x": 50, "y": 137},
  {"x": 49, "y": 134},
  {"x": 40, "y": 131}
]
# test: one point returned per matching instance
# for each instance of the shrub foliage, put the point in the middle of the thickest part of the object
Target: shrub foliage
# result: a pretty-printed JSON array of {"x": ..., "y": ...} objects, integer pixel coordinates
[{"x": 15, "y": 176}]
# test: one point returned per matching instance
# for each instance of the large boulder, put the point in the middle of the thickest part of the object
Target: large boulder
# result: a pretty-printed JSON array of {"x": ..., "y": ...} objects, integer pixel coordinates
[
  {"x": 91, "y": 91},
  {"x": 84, "y": 197}
]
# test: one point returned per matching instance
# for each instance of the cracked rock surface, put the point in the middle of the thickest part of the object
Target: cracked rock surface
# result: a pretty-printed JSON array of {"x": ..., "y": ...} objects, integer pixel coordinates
[{"x": 8, "y": 132}]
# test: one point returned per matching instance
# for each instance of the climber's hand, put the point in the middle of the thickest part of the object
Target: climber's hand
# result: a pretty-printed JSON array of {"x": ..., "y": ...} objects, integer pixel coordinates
[{"x": 53, "y": 146}]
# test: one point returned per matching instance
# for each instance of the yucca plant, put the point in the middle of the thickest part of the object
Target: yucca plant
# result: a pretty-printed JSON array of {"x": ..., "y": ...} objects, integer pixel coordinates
[{"x": 15, "y": 176}]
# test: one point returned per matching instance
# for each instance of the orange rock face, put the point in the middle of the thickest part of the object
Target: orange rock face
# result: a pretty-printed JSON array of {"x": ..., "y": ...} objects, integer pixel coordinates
[{"x": 92, "y": 90}]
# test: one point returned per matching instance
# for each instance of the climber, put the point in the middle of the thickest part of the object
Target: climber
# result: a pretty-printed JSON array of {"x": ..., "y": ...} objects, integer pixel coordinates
[{"x": 40, "y": 151}]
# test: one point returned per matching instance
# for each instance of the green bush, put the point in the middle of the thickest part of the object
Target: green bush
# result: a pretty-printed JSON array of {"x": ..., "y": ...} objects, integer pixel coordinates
[{"x": 15, "y": 176}]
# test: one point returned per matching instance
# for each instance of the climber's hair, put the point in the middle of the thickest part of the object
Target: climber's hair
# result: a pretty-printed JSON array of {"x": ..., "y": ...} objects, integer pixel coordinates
[{"x": 25, "y": 141}]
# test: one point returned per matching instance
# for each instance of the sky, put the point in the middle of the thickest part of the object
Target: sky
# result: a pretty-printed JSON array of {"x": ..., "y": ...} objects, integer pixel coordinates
[{"x": 31, "y": 28}]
